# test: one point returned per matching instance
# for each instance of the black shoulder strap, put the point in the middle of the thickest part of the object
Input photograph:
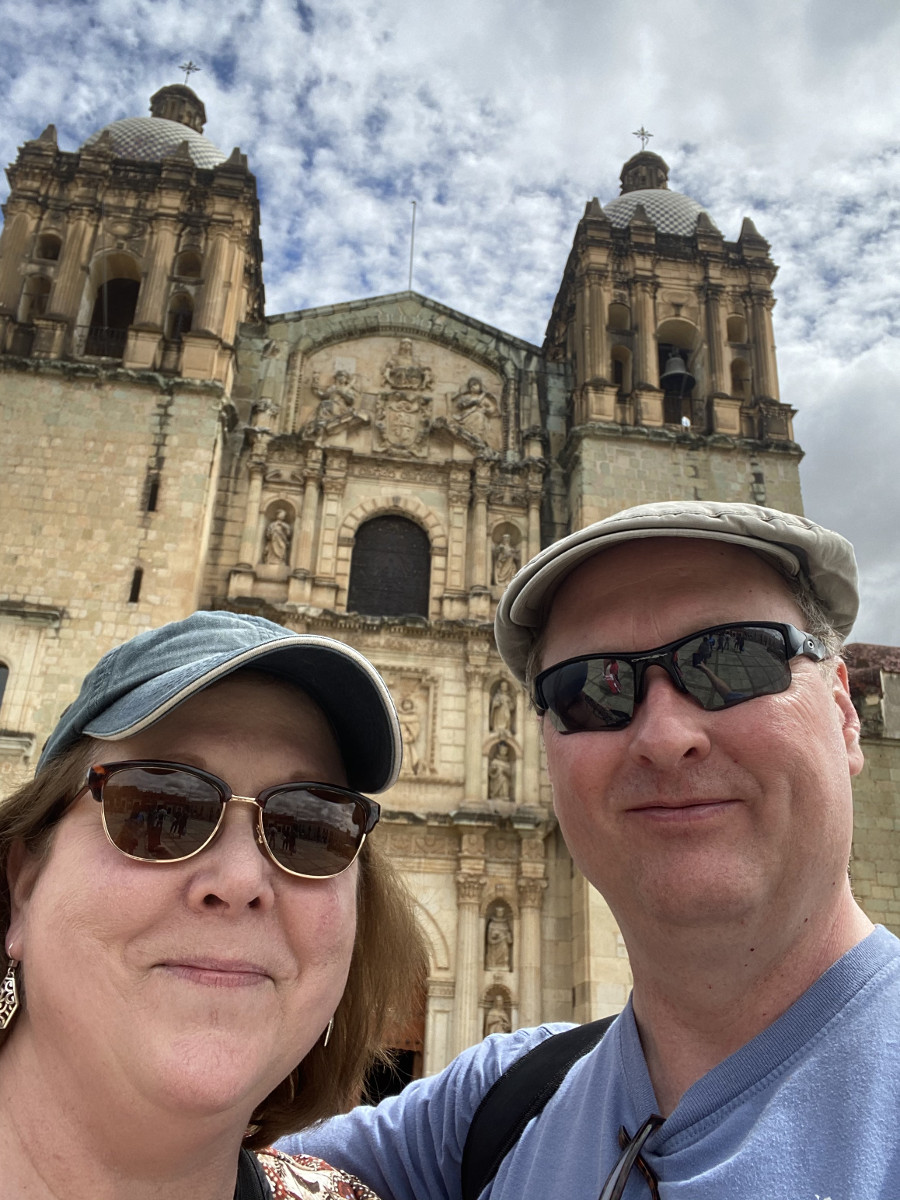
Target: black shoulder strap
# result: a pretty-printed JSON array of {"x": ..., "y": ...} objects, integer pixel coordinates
[
  {"x": 518, "y": 1095},
  {"x": 252, "y": 1183}
]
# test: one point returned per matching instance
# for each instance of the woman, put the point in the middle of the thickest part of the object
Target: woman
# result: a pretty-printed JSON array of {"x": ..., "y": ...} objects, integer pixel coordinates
[{"x": 203, "y": 946}]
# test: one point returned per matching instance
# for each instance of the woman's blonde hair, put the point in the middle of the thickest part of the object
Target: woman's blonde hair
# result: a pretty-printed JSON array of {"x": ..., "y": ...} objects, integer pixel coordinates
[{"x": 387, "y": 969}]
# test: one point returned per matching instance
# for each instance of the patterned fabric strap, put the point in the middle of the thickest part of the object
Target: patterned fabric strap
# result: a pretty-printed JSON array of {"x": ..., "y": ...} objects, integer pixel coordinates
[{"x": 301, "y": 1176}]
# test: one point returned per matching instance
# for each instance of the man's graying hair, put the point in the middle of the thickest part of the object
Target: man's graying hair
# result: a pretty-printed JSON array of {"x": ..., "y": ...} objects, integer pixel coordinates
[{"x": 815, "y": 622}]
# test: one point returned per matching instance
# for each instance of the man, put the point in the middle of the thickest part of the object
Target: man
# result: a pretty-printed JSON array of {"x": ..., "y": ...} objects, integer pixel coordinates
[{"x": 758, "y": 1055}]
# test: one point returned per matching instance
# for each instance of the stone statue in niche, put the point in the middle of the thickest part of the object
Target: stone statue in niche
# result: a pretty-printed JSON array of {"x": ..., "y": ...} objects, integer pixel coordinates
[
  {"x": 500, "y": 770},
  {"x": 502, "y": 709},
  {"x": 506, "y": 560},
  {"x": 496, "y": 1019},
  {"x": 410, "y": 729},
  {"x": 278, "y": 540},
  {"x": 498, "y": 939},
  {"x": 476, "y": 408}
]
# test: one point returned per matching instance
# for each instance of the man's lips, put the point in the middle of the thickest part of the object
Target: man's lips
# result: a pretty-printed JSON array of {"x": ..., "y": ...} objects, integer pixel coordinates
[{"x": 691, "y": 808}]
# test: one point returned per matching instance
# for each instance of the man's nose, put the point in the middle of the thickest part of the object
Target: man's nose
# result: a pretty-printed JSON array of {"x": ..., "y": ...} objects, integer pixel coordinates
[{"x": 668, "y": 726}]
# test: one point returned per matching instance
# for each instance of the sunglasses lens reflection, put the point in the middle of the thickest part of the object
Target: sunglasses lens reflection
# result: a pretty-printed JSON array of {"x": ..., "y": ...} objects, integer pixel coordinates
[
  {"x": 158, "y": 813},
  {"x": 718, "y": 667},
  {"x": 313, "y": 831}
]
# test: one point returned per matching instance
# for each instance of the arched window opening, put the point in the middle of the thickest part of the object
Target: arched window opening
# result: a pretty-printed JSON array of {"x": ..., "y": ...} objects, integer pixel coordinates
[
  {"x": 113, "y": 313},
  {"x": 619, "y": 317},
  {"x": 35, "y": 297},
  {"x": 4, "y": 676},
  {"x": 737, "y": 328},
  {"x": 740, "y": 379},
  {"x": 48, "y": 246},
  {"x": 621, "y": 369},
  {"x": 179, "y": 317},
  {"x": 188, "y": 265},
  {"x": 676, "y": 341},
  {"x": 390, "y": 570}
]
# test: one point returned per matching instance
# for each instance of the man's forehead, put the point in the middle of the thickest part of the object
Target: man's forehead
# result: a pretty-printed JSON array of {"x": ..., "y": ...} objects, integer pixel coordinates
[{"x": 648, "y": 575}]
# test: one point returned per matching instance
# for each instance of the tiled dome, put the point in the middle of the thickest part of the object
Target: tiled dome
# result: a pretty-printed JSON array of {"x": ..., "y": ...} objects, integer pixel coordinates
[
  {"x": 150, "y": 139},
  {"x": 670, "y": 212}
]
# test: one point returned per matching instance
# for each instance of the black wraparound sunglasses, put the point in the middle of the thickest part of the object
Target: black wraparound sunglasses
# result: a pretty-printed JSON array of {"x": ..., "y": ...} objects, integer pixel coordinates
[
  {"x": 162, "y": 812},
  {"x": 719, "y": 667}
]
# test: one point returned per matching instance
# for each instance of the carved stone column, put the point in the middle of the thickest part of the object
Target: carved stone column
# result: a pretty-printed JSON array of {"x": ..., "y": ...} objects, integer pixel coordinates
[
  {"x": 455, "y": 606},
  {"x": 334, "y": 483},
  {"x": 479, "y": 526},
  {"x": 66, "y": 294},
  {"x": 438, "y": 1025},
  {"x": 599, "y": 305},
  {"x": 531, "y": 896},
  {"x": 249, "y": 551},
  {"x": 715, "y": 340},
  {"x": 469, "y": 890},
  {"x": 645, "y": 365},
  {"x": 207, "y": 318},
  {"x": 765, "y": 385},
  {"x": 475, "y": 677},
  {"x": 151, "y": 306},
  {"x": 12, "y": 251},
  {"x": 534, "y": 492},
  {"x": 303, "y": 554}
]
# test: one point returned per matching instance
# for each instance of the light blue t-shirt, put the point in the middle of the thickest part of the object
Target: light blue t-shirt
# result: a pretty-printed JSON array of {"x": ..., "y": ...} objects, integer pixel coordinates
[{"x": 808, "y": 1110}]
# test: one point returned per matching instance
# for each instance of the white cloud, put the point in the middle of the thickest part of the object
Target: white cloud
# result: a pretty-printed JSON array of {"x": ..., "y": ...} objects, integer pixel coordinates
[{"x": 501, "y": 118}]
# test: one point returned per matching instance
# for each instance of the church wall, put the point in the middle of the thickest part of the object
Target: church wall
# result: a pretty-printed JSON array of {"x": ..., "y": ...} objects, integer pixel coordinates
[
  {"x": 76, "y": 524},
  {"x": 875, "y": 857},
  {"x": 610, "y": 472}
]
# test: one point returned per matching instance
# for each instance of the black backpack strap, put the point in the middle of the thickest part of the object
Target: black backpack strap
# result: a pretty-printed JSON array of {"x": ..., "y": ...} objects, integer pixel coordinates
[
  {"x": 520, "y": 1094},
  {"x": 252, "y": 1183}
]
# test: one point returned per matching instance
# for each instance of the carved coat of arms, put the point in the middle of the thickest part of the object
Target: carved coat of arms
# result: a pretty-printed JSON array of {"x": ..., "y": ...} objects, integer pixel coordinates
[{"x": 402, "y": 420}]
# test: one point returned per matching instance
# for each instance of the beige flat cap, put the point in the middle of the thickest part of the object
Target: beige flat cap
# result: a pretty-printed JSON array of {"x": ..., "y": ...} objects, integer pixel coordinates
[{"x": 796, "y": 547}]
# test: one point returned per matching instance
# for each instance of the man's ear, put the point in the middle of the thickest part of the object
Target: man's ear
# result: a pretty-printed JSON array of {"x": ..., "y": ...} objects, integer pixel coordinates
[
  {"x": 22, "y": 871},
  {"x": 849, "y": 718}
]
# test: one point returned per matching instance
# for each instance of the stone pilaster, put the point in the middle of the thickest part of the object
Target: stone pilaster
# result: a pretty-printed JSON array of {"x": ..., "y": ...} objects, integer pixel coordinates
[
  {"x": 469, "y": 891},
  {"x": 531, "y": 895}
]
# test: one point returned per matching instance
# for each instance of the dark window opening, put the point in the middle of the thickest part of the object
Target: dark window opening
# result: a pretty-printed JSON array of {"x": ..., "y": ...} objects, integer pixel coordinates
[
  {"x": 135, "y": 594},
  {"x": 48, "y": 247},
  {"x": 152, "y": 492},
  {"x": 390, "y": 570},
  {"x": 180, "y": 317},
  {"x": 4, "y": 676},
  {"x": 188, "y": 264},
  {"x": 113, "y": 313}
]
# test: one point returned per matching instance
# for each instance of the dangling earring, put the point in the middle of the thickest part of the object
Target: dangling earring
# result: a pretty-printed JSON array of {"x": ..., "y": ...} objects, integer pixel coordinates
[
  {"x": 9, "y": 995},
  {"x": 328, "y": 1030}
]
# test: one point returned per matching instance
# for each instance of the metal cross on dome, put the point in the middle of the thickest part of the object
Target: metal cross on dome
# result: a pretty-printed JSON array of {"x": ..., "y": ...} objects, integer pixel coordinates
[
  {"x": 644, "y": 135},
  {"x": 189, "y": 68}
]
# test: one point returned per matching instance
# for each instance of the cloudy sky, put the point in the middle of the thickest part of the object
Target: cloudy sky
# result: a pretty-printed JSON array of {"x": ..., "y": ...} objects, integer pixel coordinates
[{"x": 501, "y": 118}]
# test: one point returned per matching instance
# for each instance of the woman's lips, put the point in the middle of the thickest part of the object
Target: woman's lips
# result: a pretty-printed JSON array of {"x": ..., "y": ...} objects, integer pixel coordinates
[{"x": 217, "y": 972}]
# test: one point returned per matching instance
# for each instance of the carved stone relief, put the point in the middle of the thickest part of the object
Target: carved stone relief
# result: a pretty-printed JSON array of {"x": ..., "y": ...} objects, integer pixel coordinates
[
  {"x": 500, "y": 773},
  {"x": 503, "y": 709}
]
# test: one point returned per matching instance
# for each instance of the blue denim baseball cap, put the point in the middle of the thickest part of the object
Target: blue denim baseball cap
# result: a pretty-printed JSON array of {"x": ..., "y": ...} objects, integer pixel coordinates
[{"x": 143, "y": 680}]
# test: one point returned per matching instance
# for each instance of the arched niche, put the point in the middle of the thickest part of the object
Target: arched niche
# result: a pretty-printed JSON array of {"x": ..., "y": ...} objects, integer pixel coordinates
[
  {"x": 278, "y": 533},
  {"x": 621, "y": 369},
  {"x": 115, "y": 280},
  {"x": 736, "y": 328},
  {"x": 188, "y": 264},
  {"x": 619, "y": 317},
  {"x": 676, "y": 336},
  {"x": 740, "y": 379},
  {"x": 48, "y": 246},
  {"x": 180, "y": 316}
]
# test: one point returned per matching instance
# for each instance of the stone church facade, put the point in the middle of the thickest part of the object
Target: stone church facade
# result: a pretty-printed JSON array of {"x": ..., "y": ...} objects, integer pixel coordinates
[{"x": 375, "y": 471}]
